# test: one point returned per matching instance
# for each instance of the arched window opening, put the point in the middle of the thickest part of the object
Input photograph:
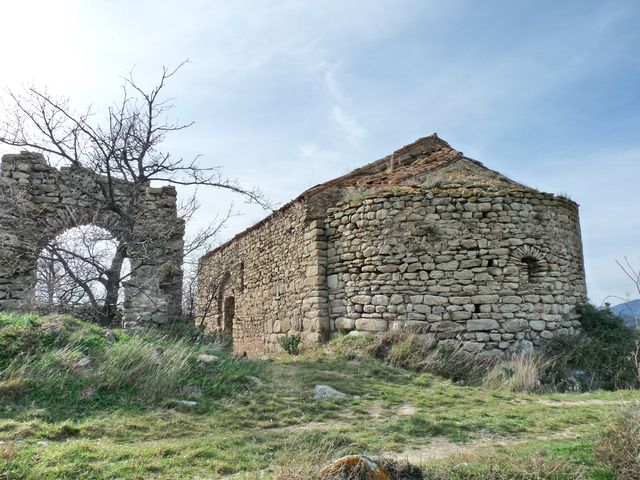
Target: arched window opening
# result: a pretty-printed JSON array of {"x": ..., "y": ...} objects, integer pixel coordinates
[
  {"x": 533, "y": 269},
  {"x": 81, "y": 271},
  {"x": 532, "y": 264},
  {"x": 229, "y": 314},
  {"x": 221, "y": 289}
]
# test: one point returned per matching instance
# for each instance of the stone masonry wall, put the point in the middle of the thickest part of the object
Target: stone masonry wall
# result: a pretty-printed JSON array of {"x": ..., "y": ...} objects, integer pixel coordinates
[
  {"x": 497, "y": 271},
  {"x": 274, "y": 279},
  {"x": 38, "y": 202}
]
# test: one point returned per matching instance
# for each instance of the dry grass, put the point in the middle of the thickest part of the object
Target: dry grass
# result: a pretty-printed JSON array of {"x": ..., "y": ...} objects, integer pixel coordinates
[
  {"x": 12, "y": 389},
  {"x": 620, "y": 448},
  {"x": 154, "y": 369},
  {"x": 520, "y": 374}
]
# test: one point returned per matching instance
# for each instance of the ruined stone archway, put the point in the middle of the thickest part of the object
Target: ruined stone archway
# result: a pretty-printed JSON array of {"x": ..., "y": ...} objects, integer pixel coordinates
[{"x": 38, "y": 202}]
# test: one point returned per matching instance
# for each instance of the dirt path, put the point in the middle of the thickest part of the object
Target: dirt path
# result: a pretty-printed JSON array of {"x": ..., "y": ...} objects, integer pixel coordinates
[
  {"x": 441, "y": 447},
  {"x": 578, "y": 403}
]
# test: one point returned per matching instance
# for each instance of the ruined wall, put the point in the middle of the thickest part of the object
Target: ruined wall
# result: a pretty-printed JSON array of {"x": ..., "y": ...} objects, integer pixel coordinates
[
  {"x": 273, "y": 277},
  {"x": 38, "y": 202},
  {"x": 495, "y": 269}
]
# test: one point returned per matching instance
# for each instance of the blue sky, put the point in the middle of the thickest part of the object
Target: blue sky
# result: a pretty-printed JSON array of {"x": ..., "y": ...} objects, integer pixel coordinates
[{"x": 287, "y": 94}]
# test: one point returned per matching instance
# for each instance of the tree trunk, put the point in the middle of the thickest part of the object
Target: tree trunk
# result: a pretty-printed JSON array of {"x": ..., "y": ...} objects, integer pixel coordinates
[{"x": 109, "y": 311}]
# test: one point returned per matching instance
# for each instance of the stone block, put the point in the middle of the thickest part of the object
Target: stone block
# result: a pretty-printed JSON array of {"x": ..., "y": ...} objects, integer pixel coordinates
[
  {"x": 361, "y": 299},
  {"x": 485, "y": 299},
  {"x": 537, "y": 325},
  {"x": 371, "y": 324},
  {"x": 472, "y": 347},
  {"x": 380, "y": 300},
  {"x": 435, "y": 300},
  {"x": 447, "y": 326},
  {"x": 460, "y": 315},
  {"x": 515, "y": 325},
  {"x": 343, "y": 323},
  {"x": 396, "y": 299},
  {"x": 484, "y": 324}
]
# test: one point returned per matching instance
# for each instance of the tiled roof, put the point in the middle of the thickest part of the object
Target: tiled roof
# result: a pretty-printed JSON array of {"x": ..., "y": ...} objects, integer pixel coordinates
[{"x": 425, "y": 154}]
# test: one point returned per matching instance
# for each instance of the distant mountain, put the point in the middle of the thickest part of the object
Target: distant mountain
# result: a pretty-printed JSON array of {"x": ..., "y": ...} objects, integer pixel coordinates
[{"x": 630, "y": 312}]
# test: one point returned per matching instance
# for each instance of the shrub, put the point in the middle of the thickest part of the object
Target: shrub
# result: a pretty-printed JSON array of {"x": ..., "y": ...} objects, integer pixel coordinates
[
  {"x": 599, "y": 356},
  {"x": 290, "y": 343},
  {"x": 619, "y": 450}
]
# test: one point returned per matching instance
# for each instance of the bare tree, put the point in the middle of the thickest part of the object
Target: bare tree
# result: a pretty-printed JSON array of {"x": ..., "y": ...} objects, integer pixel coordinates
[
  {"x": 124, "y": 149},
  {"x": 83, "y": 267},
  {"x": 631, "y": 272},
  {"x": 53, "y": 285},
  {"x": 200, "y": 242}
]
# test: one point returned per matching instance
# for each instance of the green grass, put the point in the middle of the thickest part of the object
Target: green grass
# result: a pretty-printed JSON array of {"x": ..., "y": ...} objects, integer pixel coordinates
[{"x": 129, "y": 429}]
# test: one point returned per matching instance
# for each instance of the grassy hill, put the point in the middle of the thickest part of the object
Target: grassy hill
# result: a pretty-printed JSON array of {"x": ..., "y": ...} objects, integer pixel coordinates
[{"x": 81, "y": 403}]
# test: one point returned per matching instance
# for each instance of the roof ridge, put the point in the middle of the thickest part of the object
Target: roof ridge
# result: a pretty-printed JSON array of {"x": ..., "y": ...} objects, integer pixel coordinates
[{"x": 423, "y": 147}]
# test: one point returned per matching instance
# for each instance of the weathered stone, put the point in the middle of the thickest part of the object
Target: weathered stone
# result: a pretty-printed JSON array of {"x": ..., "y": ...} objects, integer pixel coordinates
[
  {"x": 371, "y": 324},
  {"x": 325, "y": 392},
  {"x": 459, "y": 315},
  {"x": 449, "y": 266},
  {"x": 380, "y": 300},
  {"x": 537, "y": 325},
  {"x": 206, "y": 358},
  {"x": 522, "y": 347},
  {"x": 485, "y": 299},
  {"x": 396, "y": 299},
  {"x": 485, "y": 324},
  {"x": 447, "y": 327},
  {"x": 343, "y": 323},
  {"x": 515, "y": 325},
  {"x": 361, "y": 299},
  {"x": 356, "y": 466},
  {"x": 435, "y": 300},
  {"x": 184, "y": 403}
]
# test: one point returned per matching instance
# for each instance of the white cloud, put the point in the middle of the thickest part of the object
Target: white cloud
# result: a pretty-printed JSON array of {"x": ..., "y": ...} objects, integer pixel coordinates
[
  {"x": 353, "y": 131},
  {"x": 290, "y": 93}
]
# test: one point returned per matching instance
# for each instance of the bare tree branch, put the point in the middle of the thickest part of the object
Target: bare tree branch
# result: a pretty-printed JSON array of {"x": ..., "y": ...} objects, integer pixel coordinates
[{"x": 124, "y": 149}]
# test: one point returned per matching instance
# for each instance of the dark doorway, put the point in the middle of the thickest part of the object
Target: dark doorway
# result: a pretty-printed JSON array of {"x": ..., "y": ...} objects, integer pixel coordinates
[{"x": 229, "y": 313}]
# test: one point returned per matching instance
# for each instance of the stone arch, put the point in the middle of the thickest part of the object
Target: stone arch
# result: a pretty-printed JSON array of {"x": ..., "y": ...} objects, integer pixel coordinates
[
  {"x": 38, "y": 202},
  {"x": 531, "y": 263}
]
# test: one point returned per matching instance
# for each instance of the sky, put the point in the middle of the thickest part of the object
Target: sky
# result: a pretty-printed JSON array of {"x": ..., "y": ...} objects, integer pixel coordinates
[{"x": 287, "y": 94}]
